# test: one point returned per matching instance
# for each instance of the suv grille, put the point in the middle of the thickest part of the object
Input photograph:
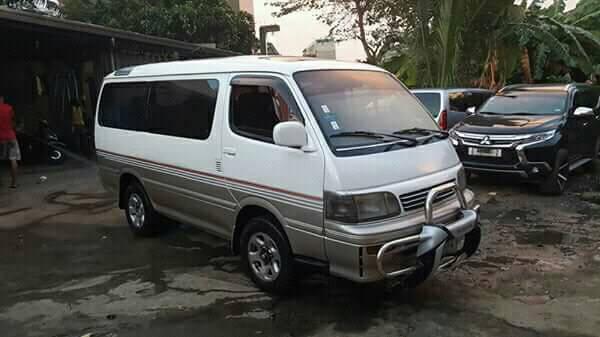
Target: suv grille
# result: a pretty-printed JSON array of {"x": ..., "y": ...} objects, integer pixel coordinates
[{"x": 416, "y": 200}]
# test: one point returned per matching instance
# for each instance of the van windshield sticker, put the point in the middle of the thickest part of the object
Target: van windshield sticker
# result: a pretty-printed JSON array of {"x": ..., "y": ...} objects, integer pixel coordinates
[
  {"x": 325, "y": 109},
  {"x": 334, "y": 125}
]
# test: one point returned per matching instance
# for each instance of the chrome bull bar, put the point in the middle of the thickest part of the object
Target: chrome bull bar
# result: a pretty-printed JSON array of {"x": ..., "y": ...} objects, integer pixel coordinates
[{"x": 433, "y": 236}]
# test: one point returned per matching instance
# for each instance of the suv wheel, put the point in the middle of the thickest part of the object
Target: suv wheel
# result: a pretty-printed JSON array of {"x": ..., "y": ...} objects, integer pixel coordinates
[
  {"x": 557, "y": 180},
  {"x": 142, "y": 219},
  {"x": 267, "y": 255},
  {"x": 595, "y": 163}
]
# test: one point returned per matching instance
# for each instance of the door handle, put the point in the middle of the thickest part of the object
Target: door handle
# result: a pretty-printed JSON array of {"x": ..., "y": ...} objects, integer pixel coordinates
[{"x": 229, "y": 151}]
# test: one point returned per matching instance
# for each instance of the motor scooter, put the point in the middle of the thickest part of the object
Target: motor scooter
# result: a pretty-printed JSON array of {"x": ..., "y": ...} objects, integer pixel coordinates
[{"x": 45, "y": 146}]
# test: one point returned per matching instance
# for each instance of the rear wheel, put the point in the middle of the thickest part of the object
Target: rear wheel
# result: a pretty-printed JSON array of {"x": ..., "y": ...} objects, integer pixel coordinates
[
  {"x": 595, "y": 163},
  {"x": 556, "y": 182},
  {"x": 267, "y": 255},
  {"x": 142, "y": 219},
  {"x": 55, "y": 157}
]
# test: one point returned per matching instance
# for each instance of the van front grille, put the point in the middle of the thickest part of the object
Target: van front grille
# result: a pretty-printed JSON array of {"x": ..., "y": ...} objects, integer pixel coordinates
[{"x": 416, "y": 200}]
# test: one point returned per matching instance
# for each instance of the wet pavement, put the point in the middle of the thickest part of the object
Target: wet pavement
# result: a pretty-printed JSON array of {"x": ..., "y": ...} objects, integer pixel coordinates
[{"x": 70, "y": 267}]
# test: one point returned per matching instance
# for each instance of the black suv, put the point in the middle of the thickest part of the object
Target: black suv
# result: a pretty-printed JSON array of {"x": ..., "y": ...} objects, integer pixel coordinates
[{"x": 536, "y": 132}]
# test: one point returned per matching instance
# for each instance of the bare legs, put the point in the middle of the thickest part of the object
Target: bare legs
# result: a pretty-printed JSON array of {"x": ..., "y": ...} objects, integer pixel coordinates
[{"x": 13, "y": 173}]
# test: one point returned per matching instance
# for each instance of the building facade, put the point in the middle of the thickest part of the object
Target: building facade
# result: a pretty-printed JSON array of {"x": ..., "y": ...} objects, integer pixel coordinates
[{"x": 321, "y": 48}]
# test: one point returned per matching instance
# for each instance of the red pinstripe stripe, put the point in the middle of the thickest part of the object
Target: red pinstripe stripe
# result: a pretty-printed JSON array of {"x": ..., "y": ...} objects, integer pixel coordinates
[{"x": 243, "y": 182}]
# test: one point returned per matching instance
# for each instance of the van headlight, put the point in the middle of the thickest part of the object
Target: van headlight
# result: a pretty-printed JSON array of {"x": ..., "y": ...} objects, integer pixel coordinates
[
  {"x": 539, "y": 137},
  {"x": 461, "y": 179},
  {"x": 361, "y": 207}
]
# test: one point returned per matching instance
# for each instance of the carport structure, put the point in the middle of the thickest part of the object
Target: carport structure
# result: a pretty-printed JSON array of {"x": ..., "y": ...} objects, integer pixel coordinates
[{"x": 48, "y": 63}]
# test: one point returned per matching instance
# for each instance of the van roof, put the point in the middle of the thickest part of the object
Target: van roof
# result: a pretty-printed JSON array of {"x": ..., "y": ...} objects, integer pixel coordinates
[
  {"x": 547, "y": 87},
  {"x": 276, "y": 64}
]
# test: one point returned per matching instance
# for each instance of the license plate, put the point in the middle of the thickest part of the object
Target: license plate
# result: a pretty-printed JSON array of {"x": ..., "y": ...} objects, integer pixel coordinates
[{"x": 485, "y": 152}]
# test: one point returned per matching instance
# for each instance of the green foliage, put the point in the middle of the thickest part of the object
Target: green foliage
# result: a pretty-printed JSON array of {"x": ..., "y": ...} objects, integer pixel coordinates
[
  {"x": 491, "y": 42},
  {"x": 197, "y": 21}
]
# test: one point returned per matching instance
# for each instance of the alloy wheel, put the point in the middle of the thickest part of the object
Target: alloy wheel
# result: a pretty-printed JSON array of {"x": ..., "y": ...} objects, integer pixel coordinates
[
  {"x": 264, "y": 257},
  {"x": 137, "y": 213},
  {"x": 563, "y": 176}
]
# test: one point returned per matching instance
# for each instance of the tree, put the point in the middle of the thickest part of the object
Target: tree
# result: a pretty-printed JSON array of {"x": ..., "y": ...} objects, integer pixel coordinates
[
  {"x": 486, "y": 42},
  {"x": 375, "y": 23},
  {"x": 197, "y": 21}
]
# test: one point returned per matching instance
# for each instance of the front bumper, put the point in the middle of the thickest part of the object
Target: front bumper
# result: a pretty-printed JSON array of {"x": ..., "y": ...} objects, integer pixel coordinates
[
  {"x": 528, "y": 161},
  {"x": 450, "y": 239}
]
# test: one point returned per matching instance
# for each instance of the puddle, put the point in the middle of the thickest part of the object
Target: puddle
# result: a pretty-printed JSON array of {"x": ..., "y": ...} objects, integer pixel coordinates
[
  {"x": 547, "y": 237},
  {"x": 86, "y": 201},
  {"x": 480, "y": 264},
  {"x": 520, "y": 215}
]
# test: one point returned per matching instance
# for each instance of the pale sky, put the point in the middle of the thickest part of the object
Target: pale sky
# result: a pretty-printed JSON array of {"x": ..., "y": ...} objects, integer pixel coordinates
[{"x": 298, "y": 30}]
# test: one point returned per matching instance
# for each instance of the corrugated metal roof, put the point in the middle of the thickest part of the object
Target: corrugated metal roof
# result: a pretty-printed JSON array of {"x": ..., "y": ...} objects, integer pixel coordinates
[{"x": 7, "y": 14}]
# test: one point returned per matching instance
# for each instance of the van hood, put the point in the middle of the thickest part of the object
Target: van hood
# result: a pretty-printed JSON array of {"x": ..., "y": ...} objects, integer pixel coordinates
[
  {"x": 360, "y": 173},
  {"x": 509, "y": 124}
]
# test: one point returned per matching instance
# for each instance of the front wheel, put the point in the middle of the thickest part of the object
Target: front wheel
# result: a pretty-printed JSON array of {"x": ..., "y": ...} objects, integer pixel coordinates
[
  {"x": 267, "y": 255},
  {"x": 56, "y": 157},
  {"x": 556, "y": 182}
]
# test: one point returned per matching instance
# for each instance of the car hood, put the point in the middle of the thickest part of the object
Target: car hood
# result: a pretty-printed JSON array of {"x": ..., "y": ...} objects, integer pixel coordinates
[
  {"x": 494, "y": 124},
  {"x": 414, "y": 168}
]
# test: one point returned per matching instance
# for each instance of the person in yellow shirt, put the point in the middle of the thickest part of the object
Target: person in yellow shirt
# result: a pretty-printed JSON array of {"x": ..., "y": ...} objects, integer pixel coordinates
[{"x": 77, "y": 124}]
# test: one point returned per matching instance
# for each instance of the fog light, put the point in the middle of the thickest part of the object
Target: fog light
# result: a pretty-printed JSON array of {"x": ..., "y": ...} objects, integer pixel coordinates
[{"x": 535, "y": 170}]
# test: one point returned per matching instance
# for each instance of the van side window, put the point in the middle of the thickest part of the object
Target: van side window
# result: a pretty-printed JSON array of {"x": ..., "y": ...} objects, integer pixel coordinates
[
  {"x": 123, "y": 106},
  {"x": 183, "y": 108},
  {"x": 258, "y": 105}
]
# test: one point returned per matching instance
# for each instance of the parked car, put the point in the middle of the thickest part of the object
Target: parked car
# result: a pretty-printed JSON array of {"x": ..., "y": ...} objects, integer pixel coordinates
[
  {"x": 537, "y": 132},
  {"x": 450, "y": 106},
  {"x": 293, "y": 160}
]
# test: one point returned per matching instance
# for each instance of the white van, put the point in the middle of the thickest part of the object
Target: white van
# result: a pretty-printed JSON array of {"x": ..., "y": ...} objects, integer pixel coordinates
[{"x": 327, "y": 163}]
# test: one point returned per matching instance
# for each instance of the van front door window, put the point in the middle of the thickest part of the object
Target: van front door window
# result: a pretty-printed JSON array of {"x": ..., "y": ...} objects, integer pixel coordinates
[{"x": 257, "y": 107}]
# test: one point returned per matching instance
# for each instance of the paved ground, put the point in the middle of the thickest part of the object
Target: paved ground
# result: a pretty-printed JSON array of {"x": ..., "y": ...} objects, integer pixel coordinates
[{"x": 69, "y": 267}]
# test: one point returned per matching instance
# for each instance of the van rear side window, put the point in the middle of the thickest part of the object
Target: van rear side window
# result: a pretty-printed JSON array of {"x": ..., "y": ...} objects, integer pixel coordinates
[
  {"x": 173, "y": 108},
  {"x": 183, "y": 108},
  {"x": 123, "y": 106}
]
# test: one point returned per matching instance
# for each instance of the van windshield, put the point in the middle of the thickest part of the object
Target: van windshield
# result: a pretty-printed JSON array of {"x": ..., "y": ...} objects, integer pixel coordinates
[{"x": 362, "y": 112}]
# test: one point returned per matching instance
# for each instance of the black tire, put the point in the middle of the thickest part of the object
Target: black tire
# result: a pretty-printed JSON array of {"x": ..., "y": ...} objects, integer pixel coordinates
[
  {"x": 141, "y": 217},
  {"x": 594, "y": 165},
  {"x": 556, "y": 182},
  {"x": 264, "y": 259},
  {"x": 55, "y": 157}
]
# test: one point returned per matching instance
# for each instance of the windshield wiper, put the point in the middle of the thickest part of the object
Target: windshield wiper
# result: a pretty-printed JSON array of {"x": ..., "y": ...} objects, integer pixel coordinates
[
  {"x": 369, "y": 134},
  {"x": 422, "y": 131},
  {"x": 523, "y": 114},
  {"x": 357, "y": 133}
]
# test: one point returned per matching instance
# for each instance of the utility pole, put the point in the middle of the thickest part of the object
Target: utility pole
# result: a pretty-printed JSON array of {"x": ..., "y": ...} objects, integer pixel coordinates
[{"x": 263, "y": 30}]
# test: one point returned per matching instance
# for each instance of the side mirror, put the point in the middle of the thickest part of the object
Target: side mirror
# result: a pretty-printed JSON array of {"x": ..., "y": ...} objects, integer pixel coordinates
[
  {"x": 471, "y": 110},
  {"x": 290, "y": 134},
  {"x": 583, "y": 111}
]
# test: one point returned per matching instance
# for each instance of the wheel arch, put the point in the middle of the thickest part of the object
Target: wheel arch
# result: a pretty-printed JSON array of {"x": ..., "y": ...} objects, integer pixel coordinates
[
  {"x": 252, "y": 207},
  {"x": 125, "y": 179}
]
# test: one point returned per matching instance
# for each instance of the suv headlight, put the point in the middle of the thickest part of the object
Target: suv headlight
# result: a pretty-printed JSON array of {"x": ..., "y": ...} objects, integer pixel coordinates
[
  {"x": 453, "y": 137},
  {"x": 539, "y": 137},
  {"x": 361, "y": 207}
]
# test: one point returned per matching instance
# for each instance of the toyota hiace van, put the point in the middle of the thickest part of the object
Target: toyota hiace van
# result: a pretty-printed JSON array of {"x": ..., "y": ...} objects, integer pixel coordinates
[{"x": 292, "y": 160}]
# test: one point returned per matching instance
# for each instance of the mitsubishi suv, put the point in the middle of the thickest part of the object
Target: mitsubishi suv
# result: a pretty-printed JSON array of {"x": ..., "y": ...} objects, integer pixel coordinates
[{"x": 539, "y": 133}]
